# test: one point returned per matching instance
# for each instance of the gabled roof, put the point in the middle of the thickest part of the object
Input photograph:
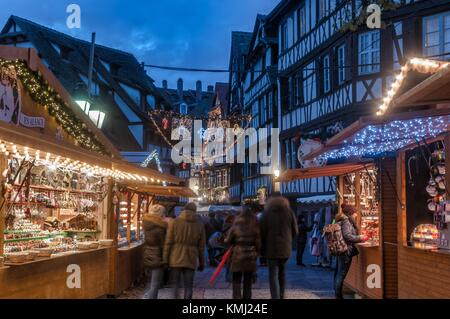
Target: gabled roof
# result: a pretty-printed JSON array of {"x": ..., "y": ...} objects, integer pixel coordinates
[
  {"x": 240, "y": 42},
  {"x": 127, "y": 70}
]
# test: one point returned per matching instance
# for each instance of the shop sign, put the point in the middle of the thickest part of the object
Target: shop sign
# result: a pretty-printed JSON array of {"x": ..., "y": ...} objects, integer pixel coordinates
[
  {"x": 30, "y": 121},
  {"x": 11, "y": 101}
]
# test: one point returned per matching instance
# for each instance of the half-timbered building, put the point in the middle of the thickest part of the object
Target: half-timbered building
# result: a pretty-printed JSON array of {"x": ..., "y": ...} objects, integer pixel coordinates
[{"x": 332, "y": 69}]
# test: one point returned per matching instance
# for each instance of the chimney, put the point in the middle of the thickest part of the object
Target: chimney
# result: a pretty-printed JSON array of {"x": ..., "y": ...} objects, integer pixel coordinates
[
  {"x": 180, "y": 88},
  {"x": 198, "y": 91},
  {"x": 164, "y": 84},
  {"x": 210, "y": 88}
]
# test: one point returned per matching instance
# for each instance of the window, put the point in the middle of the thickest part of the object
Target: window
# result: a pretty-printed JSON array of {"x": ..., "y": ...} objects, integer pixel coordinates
[
  {"x": 255, "y": 114},
  {"x": 301, "y": 22},
  {"x": 341, "y": 64},
  {"x": 369, "y": 52},
  {"x": 183, "y": 108},
  {"x": 293, "y": 155},
  {"x": 298, "y": 89},
  {"x": 323, "y": 8},
  {"x": 284, "y": 36},
  {"x": 287, "y": 146},
  {"x": 270, "y": 105},
  {"x": 326, "y": 74},
  {"x": 263, "y": 108},
  {"x": 436, "y": 30},
  {"x": 397, "y": 46},
  {"x": 309, "y": 83}
]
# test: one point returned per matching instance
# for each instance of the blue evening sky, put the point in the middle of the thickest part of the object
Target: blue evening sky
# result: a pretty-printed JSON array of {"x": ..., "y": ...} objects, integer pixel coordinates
[{"x": 186, "y": 33}]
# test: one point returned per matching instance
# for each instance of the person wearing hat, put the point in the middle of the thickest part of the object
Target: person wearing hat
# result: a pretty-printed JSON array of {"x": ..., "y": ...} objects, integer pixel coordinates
[
  {"x": 155, "y": 228},
  {"x": 347, "y": 220},
  {"x": 184, "y": 249}
]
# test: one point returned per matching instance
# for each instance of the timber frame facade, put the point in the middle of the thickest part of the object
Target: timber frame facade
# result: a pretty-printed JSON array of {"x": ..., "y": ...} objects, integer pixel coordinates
[{"x": 328, "y": 77}]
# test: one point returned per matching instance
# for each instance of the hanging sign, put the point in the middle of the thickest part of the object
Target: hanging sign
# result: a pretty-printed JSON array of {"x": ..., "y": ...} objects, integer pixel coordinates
[{"x": 30, "y": 121}]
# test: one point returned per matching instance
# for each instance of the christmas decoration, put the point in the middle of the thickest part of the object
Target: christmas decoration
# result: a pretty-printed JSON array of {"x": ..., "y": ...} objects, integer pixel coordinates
[
  {"x": 389, "y": 137},
  {"x": 41, "y": 93},
  {"x": 415, "y": 64}
]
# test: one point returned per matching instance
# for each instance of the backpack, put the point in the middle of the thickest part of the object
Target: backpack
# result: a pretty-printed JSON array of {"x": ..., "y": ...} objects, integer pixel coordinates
[{"x": 335, "y": 240}]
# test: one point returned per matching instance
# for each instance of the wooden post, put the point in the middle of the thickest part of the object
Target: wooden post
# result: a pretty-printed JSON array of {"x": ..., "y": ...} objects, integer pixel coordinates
[
  {"x": 3, "y": 166},
  {"x": 358, "y": 197},
  {"x": 138, "y": 218},
  {"x": 447, "y": 162},
  {"x": 129, "y": 218},
  {"x": 113, "y": 215}
]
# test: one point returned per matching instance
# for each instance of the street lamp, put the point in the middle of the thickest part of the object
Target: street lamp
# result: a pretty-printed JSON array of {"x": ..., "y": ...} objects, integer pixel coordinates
[{"x": 275, "y": 182}]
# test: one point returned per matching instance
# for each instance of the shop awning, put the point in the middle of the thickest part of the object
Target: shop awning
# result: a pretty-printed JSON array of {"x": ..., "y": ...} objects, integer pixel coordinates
[
  {"x": 319, "y": 199},
  {"x": 374, "y": 135},
  {"x": 431, "y": 91},
  {"x": 169, "y": 191},
  {"x": 328, "y": 170},
  {"x": 148, "y": 172}
]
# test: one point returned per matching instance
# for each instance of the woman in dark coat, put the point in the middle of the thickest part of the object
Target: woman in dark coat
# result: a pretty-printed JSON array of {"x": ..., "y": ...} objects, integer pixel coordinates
[
  {"x": 155, "y": 228},
  {"x": 347, "y": 220},
  {"x": 245, "y": 239}
]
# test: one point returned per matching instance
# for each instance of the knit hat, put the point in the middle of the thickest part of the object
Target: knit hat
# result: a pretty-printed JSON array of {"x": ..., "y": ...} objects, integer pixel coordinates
[
  {"x": 157, "y": 210},
  {"x": 191, "y": 207},
  {"x": 348, "y": 210}
]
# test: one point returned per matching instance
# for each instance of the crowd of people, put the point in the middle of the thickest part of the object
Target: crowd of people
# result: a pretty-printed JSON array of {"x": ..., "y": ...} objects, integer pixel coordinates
[{"x": 179, "y": 245}]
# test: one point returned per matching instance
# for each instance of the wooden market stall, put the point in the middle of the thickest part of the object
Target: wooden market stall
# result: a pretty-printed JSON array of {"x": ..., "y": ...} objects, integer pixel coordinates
[
  {"x": 133, "y": 201},
  {"x": 388, "y": 141},
  {"x": 364, "y": 184},
  {"x": 58, "y": 223}
]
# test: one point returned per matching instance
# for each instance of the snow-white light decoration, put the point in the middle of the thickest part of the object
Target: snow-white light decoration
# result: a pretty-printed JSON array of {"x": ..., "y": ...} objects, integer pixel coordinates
[
  {"x": 389, "y": 137},
  {"x": 415, "y": 64}
]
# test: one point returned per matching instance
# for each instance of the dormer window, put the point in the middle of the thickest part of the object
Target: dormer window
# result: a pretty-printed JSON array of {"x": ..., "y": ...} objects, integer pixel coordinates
[
  {"x": 63, "y": 52},
  {"x": 183, "y": 108}
]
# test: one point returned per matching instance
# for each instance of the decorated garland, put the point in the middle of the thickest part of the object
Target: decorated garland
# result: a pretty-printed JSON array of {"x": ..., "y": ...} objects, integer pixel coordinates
[
  {"x": 41, "y": 93},
  {"x": 211, "y": 117}
]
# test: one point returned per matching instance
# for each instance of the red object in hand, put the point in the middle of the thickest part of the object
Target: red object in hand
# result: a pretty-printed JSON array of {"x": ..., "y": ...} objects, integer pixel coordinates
[{"x": 219, "y": 268}]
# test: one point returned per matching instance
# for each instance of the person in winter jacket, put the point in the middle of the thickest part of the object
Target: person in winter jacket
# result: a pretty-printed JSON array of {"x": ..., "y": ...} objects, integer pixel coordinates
[
  {"x": 184, "y": 248},
  {"x": 302, "y": 238},
  {"x": 245, "y": 239},
  {"x": 278, "y": 228},
  {"x": 155, "y": 229},
  {"x": 212, "y": 226},
  {"x": 347, "y": 220}
]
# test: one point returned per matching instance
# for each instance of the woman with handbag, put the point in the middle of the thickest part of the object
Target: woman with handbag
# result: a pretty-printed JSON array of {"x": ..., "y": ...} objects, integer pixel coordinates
[{"x": 245, "y": 238}]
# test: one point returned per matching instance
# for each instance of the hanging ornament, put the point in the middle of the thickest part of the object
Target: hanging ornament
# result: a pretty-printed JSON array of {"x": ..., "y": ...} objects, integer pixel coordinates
[{"x": 165, "y": 123}]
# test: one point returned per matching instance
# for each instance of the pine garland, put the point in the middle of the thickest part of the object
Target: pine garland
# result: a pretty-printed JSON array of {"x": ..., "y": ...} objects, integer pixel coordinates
[{"x": 41, "y": 93}]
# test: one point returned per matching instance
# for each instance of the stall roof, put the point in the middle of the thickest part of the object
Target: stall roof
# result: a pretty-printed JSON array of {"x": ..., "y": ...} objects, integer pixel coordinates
[
  {"x": 372, "y": 135},
  {"x": 433, "y": 90},
  {"x": 328, "y": 170},
  {"x": 318, "y": 199},
  {"x": 169, "y": 191}
]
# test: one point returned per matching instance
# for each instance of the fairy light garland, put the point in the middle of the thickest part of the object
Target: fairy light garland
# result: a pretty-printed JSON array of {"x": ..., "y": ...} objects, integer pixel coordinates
[
  {"x": 41, "y": 93},
  {"x": 54, "y": 162},
  {"x": 379, "y": 139},
  {"x": 414, "y": 64}
]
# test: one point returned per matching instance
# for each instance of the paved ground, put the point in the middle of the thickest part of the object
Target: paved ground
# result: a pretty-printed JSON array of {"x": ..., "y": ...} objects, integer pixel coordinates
[{"x": 302, "y": 283}]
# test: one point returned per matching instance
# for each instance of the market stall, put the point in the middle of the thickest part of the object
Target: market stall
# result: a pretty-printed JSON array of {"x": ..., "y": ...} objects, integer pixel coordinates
[
  {"x": 364, "y": 184},
  {"x": 388, "y": 141},
  {"x": 58, "y": 227}
]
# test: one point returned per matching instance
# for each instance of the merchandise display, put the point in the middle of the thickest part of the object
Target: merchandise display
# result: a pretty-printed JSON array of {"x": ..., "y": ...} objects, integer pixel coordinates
[
  {"x": 49, "y": 210},
  {"x": 425, "y": 236}
]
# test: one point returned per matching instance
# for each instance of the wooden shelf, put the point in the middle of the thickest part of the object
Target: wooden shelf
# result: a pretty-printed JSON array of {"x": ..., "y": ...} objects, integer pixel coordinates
[{"x": 61, "y": 190}]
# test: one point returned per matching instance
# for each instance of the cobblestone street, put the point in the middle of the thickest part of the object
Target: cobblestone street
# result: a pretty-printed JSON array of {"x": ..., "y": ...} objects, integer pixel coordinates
[{"x": 302, "y": 283}]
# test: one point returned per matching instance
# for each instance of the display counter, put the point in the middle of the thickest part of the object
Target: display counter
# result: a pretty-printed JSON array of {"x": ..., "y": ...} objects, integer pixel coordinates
[
  {"x": 424, "y": 259},
  {"x": 130, "y": 266},
  {"x": 48, "y": 277}
]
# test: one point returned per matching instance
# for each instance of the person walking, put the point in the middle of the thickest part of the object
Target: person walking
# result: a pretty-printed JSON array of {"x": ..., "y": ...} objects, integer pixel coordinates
[
  {"x": 347, "y": 221},
  {"x": 184, "y": 249},
  {"x": 155, "y": 229},
  {"x": 302, "y": 238},
  {"x": 212, "y": 227},
  {"x": 278, "y": 228},
  {"x": 245, "y": 239}
]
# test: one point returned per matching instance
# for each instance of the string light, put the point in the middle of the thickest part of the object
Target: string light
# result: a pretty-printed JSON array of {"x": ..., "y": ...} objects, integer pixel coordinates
[
  {"x": 415, "y": 64},
  {"x": 390, "y": 137},
  {"x": 41, "y": 93}
]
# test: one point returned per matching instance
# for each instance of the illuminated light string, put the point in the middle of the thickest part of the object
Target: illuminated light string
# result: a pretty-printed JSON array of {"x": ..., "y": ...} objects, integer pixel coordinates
[
  {"x": 414, "y": 64},
  {"x": 53, "y": 162},
  {"x": 378, "y": 139}
]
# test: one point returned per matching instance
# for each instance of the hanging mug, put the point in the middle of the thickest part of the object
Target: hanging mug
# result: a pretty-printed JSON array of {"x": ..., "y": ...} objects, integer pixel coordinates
[
  {"x": 432, "y": 205},
  {"x": 432, "y": 189},
  {"x": 441, "y": 168}
]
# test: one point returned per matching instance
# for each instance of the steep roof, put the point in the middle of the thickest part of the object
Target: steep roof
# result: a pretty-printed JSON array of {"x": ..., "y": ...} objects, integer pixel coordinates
[
  {"x": 240, "y": 42},
  {"x": 195, "y": 108},
  {"x": 111, "y": 67}
]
